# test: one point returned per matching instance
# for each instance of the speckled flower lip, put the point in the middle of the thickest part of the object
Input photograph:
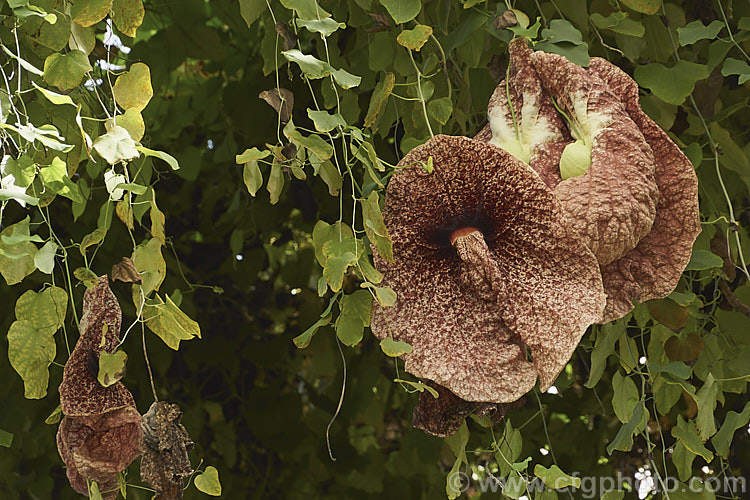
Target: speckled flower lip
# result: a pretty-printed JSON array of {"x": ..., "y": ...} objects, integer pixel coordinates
[{"x": 471, "y": 309}]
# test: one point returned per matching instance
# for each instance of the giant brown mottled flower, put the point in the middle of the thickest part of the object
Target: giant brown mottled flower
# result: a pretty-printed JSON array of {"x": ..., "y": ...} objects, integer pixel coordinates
[
  {"x": 485, "y": 266},
  {"x": 652, "y": 269},
  {"x": 100, "y": 434},
  {"x": 626, "y": 188}
]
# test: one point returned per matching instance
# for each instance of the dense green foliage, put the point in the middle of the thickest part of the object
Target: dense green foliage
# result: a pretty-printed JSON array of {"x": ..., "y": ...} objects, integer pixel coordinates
[{"x": 223, "y": 219}]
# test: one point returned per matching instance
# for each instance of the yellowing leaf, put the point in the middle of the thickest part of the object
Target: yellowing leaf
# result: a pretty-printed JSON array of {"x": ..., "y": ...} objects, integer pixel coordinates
[
  {"x": 88, "y": 12},
  {"x": 414, "y": 39},
  {"x": 167, "y": 321},
  {"x": 16, "y": 259},
  {"x": 379, "y": 97},
  {"x": 65, "y": 71},
  {"x": 31, "y": 343},
  {"x": 275, "y": 182},
  {"x": 375, "y": 226},
  {"x": 127, "y": 15},
  {"x": 133, "y": 89},
  {"x": 208, "y": 482},
  {"x": 132, "y": 121},
  {"x": 150, "y": 264}
]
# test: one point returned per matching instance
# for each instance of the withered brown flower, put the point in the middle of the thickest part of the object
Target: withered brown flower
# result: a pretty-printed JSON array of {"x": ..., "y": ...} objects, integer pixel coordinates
[
  {"x": 485, "y": 266},
  {"x": 100, "y": 433}
]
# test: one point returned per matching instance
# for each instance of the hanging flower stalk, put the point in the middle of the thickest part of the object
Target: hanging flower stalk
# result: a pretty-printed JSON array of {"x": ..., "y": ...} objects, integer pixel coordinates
[
  {"x": 100, "y": 433},
  {"x": 485, "y": 267}
]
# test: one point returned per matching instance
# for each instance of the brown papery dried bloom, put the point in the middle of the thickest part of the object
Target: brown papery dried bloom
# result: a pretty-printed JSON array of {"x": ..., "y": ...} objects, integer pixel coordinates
[
  {"x": 100, "y": 434},
  {"x": 485, "y": 266}
]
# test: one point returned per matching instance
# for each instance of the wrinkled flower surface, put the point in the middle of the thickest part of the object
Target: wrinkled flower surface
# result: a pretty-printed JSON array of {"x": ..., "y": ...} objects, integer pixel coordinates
[
  {"x": 100, "y": 434},
  {"x": 634, "y": 202},
  {"x": 485, "y": 267}
]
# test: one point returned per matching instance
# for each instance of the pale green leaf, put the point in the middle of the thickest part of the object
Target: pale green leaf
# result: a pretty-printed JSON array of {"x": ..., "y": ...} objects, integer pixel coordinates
[
  {"x": 6, "y": 438},
  {"x": 250, "y": 10},
  {"x": 252, "y": 177},
  {"x": 555, "y": 478},
  {"x": 252, "y": 154},
  {"x": 733, "y": 421},
  {"x": 275, "y": 182},
  {"x": 149, "y": 262},
  {"x": 339, "y": 255},
  {"x": 674, "y": 84},
  {"x": 625, "y": 397},
  {"x": 45, "y": 257},
  {"x": 402, "y": 10},
  {"x": 604, "y": 347},
  {"x": 619, "y": 22},
  {"x": 325, "y": 122},
  {"x": 326, "y": 26},
  {"x": 703, "y": 259},
  {"x": 379, "y": 97},
  {"x": 65, "y": 71},
  {"x": 171, "y": 160},
  {"x": 16, "y": 261},
  {"x": 696, "y": 30},
  {"x": 93, "y": 238},
  {"x": 734, "y": 66},
  {"x": 167, "y": 321},
  {"x": 644, "y": 6},
  {"x": 375, "y": 226},
  {"x": 303, "y": 340},
  {"x": 306, "y": 9},
  {"x": 55, "y": 177},
  {"x": 331, "y": 176},
  {"x": 687, "y": 434},
  {"x": 394, "y": 348},
  {"x": 116, "y": 146},
  {"x": 440, "y": 109},
  {"x": 111, "y": 367},
  {"x": 623, "y": 440},
  {"x": 54, "y": 97},
  {"x": 208, "y": 482}
]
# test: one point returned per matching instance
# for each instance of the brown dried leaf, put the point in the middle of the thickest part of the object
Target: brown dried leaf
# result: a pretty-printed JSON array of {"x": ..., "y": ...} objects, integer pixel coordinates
[
  {"x": 380, "y": 23},
  {"x": 282, "y": 100},
  {"x": 505, "y": 20},
  {"x": 290, "y": 41},
  {"x": 126, "y": 272},
  {"x": 165, "y": 464},
  {"x": 469, "y": 314}
]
